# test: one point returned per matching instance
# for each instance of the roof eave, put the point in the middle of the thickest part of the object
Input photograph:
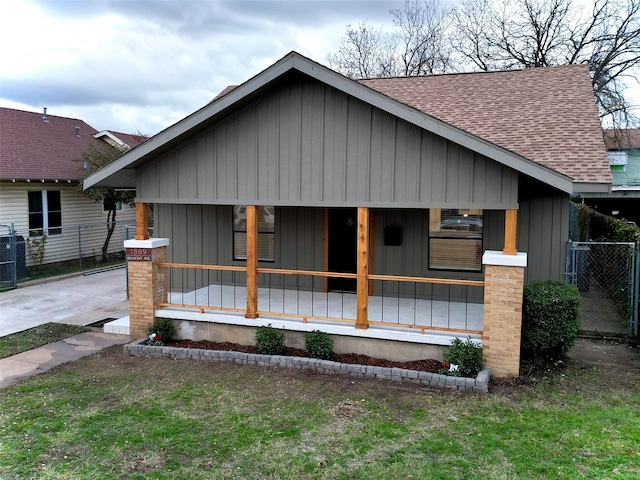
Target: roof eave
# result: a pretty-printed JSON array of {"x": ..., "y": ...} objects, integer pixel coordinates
[{"x": 580, "y": 188}]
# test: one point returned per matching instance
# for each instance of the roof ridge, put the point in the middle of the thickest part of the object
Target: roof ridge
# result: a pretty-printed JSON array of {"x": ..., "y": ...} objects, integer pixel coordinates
[
  {"x": 48, "y": 114},
  {"x": 478, "y": 72}
]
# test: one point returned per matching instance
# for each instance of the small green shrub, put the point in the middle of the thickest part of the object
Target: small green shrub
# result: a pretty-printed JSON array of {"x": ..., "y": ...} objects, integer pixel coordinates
[
  {"x": 161, "y": 331},
  {"x": 550, "y": 321},
  {"x": 318, "y": 345},
  {"x": 269, "y": 340},
  {"x": 466, "y": 355}
]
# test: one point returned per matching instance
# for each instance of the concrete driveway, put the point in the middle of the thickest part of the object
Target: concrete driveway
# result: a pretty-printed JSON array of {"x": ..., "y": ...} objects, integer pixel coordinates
[{"x": 78, "y": 300}]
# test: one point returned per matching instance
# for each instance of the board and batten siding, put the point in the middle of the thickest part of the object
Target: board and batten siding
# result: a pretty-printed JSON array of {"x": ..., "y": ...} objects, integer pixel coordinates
[
  {"x": 307, "y": 144},
  {"x": 203, "y": 234},
  {"x": 76, "y": 210},
  {"x": 543, "y": 230}
]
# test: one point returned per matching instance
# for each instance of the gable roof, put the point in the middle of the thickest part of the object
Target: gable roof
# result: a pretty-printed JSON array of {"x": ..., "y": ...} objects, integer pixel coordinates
[
  {"x": 548, "y": 115},
  {"x": 121, "y": 173},
  {"x": 46, "y": 147},
  {"x": 622, "y": 139},
  {"x": 119, "y": 139}
]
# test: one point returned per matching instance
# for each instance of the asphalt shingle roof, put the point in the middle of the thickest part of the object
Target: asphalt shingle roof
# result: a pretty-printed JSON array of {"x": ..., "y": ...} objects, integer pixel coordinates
[
  {"x": 31, "y": 148},
  {"x": 622, "y": 139},
  {"x": 546, "y": 114}
]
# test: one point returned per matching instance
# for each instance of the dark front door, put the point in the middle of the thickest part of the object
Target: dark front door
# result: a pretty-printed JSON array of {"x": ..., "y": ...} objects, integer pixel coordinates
[{"x": 342, "y": 247}]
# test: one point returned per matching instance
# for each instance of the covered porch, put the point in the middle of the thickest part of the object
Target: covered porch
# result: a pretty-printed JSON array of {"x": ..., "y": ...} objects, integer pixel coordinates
[{"x": 245, "y": 296}]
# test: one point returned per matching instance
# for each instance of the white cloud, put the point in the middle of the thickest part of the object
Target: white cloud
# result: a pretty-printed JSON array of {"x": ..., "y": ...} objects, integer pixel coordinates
[{"x": 142, "y": 65}]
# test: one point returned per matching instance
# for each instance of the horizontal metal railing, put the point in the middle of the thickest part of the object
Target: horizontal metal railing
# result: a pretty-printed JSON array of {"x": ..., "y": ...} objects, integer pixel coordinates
[
  {"x": 202, "y": 291},
  {"x": 437, "y": 304},
  {"x": 310, "y": 303}
]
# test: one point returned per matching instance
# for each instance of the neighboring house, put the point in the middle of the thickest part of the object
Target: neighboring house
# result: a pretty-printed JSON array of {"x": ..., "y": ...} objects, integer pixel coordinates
[
  {"x": 417, "y": 189},
  {"x": 39, "y": 174},
  {"x": 623, "y": 150}
]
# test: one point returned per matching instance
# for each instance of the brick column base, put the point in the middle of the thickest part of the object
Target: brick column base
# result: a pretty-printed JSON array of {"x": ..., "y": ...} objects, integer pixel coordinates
[
  {"x": 147, "y": 282},
  {"x": 503, "y": 287}
]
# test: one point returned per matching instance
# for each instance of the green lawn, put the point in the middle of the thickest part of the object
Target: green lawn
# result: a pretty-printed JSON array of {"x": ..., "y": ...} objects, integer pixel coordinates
[
  {"x": 110, "y": 416},
  {"x": 36, "y": 337}
]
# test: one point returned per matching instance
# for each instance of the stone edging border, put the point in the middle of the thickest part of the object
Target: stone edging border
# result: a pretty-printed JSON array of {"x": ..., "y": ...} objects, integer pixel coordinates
[{"x": 478, "y": 384}]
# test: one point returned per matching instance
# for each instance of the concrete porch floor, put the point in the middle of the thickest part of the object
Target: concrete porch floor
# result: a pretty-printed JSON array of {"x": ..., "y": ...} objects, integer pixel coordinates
[
  {"x": 340, "y": 305},
  {"x": 391, "y": 311}
]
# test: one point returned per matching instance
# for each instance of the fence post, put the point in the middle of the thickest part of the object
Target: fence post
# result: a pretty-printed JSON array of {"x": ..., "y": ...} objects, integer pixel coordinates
[
  {"x": 80, "y": 247},
  {"x": 568, "y": 264},
  {"x": 636, "y": 296}
]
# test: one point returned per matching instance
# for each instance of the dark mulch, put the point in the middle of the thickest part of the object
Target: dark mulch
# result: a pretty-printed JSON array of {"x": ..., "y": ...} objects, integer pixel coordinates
[{"x": 428, "y": 365}]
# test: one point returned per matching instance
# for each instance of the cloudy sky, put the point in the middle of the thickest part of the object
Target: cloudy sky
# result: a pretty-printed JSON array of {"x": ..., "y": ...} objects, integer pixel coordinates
[
  {"x": 143, "y": 65},
  {"x": 140, "y": 66}
]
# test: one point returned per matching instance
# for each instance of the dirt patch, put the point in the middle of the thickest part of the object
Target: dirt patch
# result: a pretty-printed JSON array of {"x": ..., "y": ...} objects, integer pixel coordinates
[
  {"x": 427, "y": 365},
  {"x": 611, "y": 352},
  {"x": 349, "y": 409}
]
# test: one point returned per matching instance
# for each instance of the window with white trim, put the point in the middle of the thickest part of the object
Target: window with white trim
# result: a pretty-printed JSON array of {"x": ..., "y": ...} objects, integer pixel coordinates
[
  {"x": 455, "y": 239},
  {"x": 266, "y": 233},
  {"x": 618, "y": 161},
  {"x": 45, "y": 212}
]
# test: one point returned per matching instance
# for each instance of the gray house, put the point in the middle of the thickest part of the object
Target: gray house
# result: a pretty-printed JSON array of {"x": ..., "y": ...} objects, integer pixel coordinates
[{"x": 412, "y": 209}]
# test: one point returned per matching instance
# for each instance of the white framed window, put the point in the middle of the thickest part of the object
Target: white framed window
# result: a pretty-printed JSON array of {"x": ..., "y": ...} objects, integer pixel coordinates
[
  {"x": 618, "y": 161},
  {"x": 266, "y": 233},
  {"x": 45, "y": 212},
  {"x": 455, "y": 239}
]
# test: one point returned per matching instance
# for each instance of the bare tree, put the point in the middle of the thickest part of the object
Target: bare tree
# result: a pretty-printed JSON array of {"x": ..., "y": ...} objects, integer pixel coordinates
[
  {"x": 504, "y": 34},
  {"x": 421, "y": 38},
  {"x": 360, "y": 54},
  {"x": 93, "y": 158},
  {"x": 493, "y": 35},
  {"x": 416, "y": 46}
]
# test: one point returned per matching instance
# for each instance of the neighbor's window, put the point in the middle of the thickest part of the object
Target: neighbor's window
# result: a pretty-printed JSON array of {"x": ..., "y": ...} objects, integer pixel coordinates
[
  {"x": 455, "y": 239},
  {"x": 266, "y": 233},
  {"x": 45, "y": 212},
  {"x": 618, "y": 161}
]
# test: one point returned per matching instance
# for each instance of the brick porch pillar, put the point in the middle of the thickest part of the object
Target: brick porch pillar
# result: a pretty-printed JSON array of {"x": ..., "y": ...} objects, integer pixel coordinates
[
  {"x": 504, "y": 282},
  {"x": 148, "y": 283}
]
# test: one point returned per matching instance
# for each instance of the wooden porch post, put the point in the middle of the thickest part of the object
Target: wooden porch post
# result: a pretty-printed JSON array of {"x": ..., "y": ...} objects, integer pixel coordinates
[
  {"x": 252, "y": 262},
  {"x": 325, "y": 248},
  {"x": 362, "y": 289},
  {"x": 510, "y": 230},
  {"x": 372, "y": 237},
  {"x": 142, "y": 222}
]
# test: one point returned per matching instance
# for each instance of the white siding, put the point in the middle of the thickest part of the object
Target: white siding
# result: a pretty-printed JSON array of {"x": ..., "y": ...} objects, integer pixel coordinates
[{"x": 76, "y": 210}]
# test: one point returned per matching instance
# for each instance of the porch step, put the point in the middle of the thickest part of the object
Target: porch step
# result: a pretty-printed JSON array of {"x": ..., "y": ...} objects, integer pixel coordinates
[{"x": 119, "y": 326}]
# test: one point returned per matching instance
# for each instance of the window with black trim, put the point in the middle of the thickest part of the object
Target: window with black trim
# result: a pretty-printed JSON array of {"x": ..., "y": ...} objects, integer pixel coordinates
[
  {"x": 266, "y": 233},
  {"x": 455, "y": 239},
  {"x": 45, "y": 212}
]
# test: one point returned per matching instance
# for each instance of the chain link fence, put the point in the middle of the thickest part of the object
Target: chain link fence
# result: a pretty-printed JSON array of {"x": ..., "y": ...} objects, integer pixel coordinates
[
  {"x": 63, "y": 250},
  {"x": 605, "y": 275}
]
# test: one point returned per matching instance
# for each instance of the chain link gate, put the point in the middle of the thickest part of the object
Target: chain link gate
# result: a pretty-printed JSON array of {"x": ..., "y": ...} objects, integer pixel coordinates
[
  {"x": 607, "y": 276},
  {"x": 8, "y": 274}
]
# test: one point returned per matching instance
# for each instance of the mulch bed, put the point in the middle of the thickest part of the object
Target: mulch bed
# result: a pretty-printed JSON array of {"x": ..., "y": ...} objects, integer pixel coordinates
[{"x": 429, "y": 365}]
